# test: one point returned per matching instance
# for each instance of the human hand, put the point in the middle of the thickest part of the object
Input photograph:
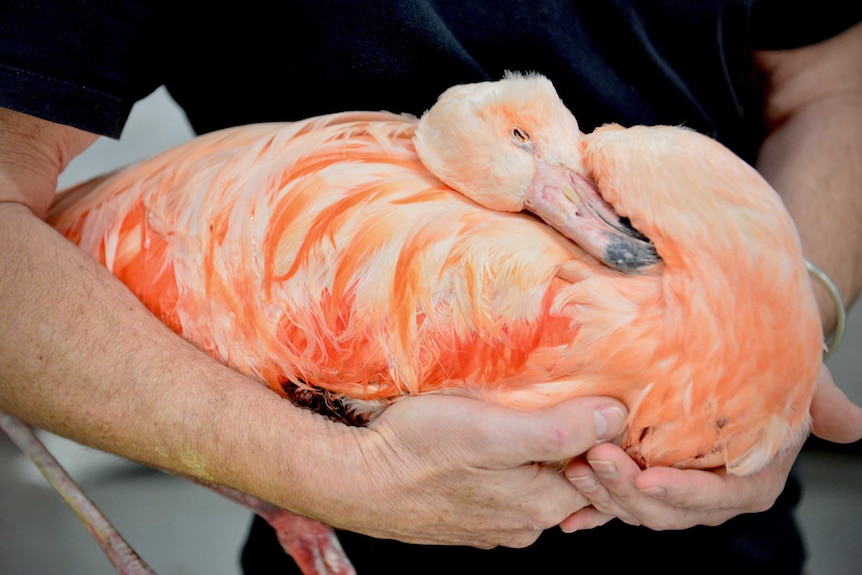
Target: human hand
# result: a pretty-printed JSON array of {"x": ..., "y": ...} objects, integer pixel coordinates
[
  {"x": 458, "y": 471},
  {"x": 667, "y": 498},
  {"x": 664, "y": 498}
]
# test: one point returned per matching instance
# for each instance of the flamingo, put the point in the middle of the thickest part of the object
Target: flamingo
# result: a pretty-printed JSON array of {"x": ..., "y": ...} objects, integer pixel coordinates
[{"x": 489, "y": 248}]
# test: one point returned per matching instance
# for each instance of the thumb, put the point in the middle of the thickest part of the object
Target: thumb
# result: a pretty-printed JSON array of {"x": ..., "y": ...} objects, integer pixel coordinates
[
  {"x": 834, "y": 417},
  {"x": 556, "y": 433}
]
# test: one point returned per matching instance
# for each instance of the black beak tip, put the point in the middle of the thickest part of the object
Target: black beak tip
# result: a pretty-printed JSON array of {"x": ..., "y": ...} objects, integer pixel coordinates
[{"x": 630, "y": 255}]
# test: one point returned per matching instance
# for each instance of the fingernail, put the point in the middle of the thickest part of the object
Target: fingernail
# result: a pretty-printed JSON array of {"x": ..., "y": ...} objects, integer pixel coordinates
[
  {"x": 655, "y": 491},
  {"x": 609, "y": 422},
  {"x": 606, "y": 469},
  {"x": 585, "y": 483}
]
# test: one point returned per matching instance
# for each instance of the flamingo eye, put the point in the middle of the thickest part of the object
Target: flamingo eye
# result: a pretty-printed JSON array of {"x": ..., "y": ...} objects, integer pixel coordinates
[{"x": 520, "y": 136}]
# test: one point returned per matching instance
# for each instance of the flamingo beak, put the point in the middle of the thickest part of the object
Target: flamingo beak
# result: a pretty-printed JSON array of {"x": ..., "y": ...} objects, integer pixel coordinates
[{"x": 572, "y": 205}]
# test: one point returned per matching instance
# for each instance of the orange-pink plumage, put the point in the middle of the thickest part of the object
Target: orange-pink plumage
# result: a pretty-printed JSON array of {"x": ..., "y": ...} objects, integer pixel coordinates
[{"x": 365, "y": 256}]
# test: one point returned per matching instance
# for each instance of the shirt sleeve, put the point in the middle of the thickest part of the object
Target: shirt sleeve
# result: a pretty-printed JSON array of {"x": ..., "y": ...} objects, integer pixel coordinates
[{"x": 78, "y": 62}]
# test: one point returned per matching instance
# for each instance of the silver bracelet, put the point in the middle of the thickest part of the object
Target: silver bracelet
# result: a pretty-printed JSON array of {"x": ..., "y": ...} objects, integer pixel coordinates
[{"x": 831, "y": 343}]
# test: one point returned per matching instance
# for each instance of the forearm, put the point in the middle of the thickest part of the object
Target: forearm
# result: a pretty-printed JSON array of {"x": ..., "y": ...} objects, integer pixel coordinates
[
  {"x": 813, "y": 157},
  {"x": 810, "y": 161},
  {"x": 80, "y": 356}
]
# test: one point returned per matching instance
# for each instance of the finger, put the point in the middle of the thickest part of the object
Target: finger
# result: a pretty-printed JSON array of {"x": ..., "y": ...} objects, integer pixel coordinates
[
  {"x": 586, "y": 518},
  {"x": 605, "y": 476},
  {"x": 622, "y": 493},
  {"x": 692, "y": 489},
  {"x": 554, "y": 497},
  {"x": 579, "y": 472},
  {"x": 616, "y": 472},
  {"x": 667, "y": 498},
  {"x": 834, "y": 417},
  {"x": 714, "y": 492},
  {"x": 581, "y": 475},
  {"x": 557, "y": 433},
  {"x": 620, "y": 496},
  {"x": 488, "y": 435}
]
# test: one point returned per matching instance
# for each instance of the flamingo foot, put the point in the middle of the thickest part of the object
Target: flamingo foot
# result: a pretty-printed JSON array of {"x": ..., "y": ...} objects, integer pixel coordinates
[{"x": 313, "y": 545}]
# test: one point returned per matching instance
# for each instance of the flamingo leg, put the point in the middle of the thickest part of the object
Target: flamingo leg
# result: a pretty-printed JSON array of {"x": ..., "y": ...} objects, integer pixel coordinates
[
  {"x": 123, "y": 557},
  {"x": 313, "y": 545}
]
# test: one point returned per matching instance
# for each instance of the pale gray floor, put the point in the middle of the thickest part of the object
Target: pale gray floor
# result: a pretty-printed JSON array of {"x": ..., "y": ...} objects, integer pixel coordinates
[{"x": 183, "y": 529}]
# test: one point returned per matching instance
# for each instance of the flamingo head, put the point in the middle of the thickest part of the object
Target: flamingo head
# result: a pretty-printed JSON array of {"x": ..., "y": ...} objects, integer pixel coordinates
[{"x": 513, "y": 146}]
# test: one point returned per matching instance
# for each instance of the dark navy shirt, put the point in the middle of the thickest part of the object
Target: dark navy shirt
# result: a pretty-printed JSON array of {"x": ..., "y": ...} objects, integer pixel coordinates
[{"x": 683, "y": 62}]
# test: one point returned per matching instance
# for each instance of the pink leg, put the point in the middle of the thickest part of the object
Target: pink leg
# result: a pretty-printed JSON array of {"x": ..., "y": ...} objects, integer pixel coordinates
[
  {"x": 124, "y": 558},
  {"x": 313, "y": 546}
]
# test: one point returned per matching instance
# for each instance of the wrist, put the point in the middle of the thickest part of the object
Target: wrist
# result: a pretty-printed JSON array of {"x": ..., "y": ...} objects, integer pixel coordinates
[{"x": 301, "y": 461}]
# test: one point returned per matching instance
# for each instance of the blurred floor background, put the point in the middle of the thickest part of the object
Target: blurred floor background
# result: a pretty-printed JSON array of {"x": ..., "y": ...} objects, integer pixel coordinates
[{"x": 183, "y": 529}]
